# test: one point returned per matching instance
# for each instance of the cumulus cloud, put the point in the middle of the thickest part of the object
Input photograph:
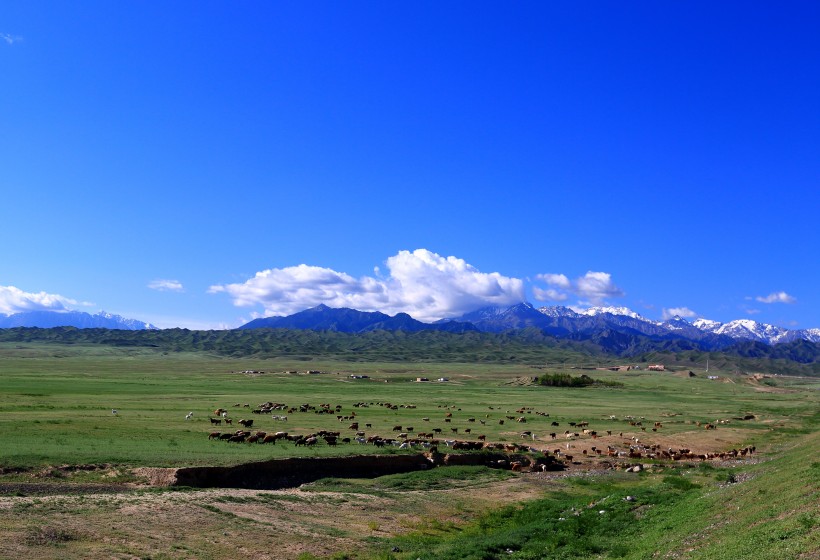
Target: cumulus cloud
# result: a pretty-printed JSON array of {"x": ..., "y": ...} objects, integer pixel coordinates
[
  {"x": 557, "y": 280},
  {"x": 592, "y": 287},
  {"x": 776, "y": 297},
  {"x": 684, "y": 312},
  {"x": 166, "y": 285},
  {"x": 421, "y": 283},
  {"x": 549, "y": 294},
  {"x": 15, "y": 300}
]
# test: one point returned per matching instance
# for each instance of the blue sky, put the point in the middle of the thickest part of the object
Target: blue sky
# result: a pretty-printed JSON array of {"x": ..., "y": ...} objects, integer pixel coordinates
[{"x": 198, "y": 164}]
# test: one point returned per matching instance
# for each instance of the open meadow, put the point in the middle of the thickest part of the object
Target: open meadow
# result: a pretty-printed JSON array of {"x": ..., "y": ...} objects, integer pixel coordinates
[{"x": 82, "y": 429}]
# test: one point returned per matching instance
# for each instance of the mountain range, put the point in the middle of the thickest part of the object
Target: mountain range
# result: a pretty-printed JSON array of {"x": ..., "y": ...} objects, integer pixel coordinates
[
  {"x": 557, "y": 321},
  {"x": 618, "y": 326},
  {"x": 78, "y": 319},
  {"x": 324, "y": 318}
]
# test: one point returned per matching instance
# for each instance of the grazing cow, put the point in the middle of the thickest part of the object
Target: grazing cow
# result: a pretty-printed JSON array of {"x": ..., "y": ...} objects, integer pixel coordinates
[
  {"x": 214, "y": 435},
  {"x": 246, "y": 423},
  {"x": 216, "y": 421},
  {"x": 228, "y": 421},
  {"x": 188, "y": 416},
  {"x": 396, "y": 428}
]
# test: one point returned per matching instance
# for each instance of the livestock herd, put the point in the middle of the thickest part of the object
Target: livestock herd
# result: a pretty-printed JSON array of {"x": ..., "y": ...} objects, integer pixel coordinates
[{"x": 580, "y": 443}]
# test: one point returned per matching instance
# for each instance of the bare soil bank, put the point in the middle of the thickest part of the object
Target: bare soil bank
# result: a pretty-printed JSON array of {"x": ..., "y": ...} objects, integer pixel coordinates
[{"x": 290, "y": 473}]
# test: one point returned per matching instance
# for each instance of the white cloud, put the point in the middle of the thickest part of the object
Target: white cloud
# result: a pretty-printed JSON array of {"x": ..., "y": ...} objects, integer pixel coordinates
[
  {"x": 549, "y": 294},
  {"x": 15, "y": 300},
  {"x": 597, "y": 286},
  {"x": 776, "y": 297},
  {"x": 421, "y": 283},
  {"x": 750, "y": 311},
  {"x": 593, "y": 287},
  {"x": 684, "y": 312},
  {"x": 166, "y": 285},
  {"x": 558, "y": 280},
  {"x": 10, "y": 39}
]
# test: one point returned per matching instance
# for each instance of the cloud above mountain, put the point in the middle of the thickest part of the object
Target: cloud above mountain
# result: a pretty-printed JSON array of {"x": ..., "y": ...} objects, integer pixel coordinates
[
  {"x": 15, "y": 300},
  {"x": 421, "y": 283},
  {"x": 166, "y": 285},
  {"x": 776, "y": 297},
  {"x": 592, "y": 288}
]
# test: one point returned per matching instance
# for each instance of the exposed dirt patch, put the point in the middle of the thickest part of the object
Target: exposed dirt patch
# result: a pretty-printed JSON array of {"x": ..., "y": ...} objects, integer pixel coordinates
[{"x": 223, "y": 523}]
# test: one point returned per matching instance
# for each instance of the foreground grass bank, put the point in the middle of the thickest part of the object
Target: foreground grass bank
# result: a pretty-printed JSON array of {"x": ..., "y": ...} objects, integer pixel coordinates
[{"x": 768, "y": 510}]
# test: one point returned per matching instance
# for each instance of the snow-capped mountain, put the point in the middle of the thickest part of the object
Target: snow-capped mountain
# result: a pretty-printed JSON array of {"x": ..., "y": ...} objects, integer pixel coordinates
[
  {"x": 499, "y": 319},
  {"x": 621, "y": 311},
  {"x": 79, "y": 319},
  {"x": 558, "y": 311},
  {"x": 706, "y": 324},
  {"x": 747, "y": 329},
  {"x": 704, "y": 330},
  {"x": 596, "y": 318}
]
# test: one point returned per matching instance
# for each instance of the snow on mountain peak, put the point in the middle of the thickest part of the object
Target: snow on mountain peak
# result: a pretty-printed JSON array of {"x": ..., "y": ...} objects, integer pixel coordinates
[
  {"x": 707, "y": 324},
  {"x": 592, "y": 311},
  {"x": 557, "y": 311}
]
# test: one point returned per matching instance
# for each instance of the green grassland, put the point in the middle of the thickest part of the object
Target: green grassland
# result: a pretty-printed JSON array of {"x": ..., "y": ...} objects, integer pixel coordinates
[{"x": 56, "y": 404}]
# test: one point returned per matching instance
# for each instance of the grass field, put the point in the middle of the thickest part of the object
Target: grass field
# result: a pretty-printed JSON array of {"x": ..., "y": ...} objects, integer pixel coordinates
[{"x": 56, "y": 406}]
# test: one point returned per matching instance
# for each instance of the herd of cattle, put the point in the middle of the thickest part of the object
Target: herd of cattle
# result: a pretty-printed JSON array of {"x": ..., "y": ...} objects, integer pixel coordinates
[{"x": 570, "y": 451}]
